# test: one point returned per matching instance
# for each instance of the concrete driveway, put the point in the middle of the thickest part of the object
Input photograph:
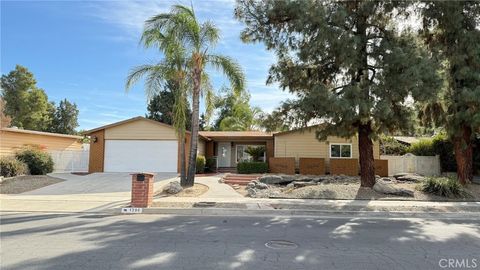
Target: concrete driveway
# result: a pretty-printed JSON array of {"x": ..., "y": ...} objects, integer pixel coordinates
[{"x": 93, "y": 183}]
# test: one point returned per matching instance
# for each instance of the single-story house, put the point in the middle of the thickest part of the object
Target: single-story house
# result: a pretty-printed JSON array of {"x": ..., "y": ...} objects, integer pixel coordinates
[
  {"x": 140, "y": 144},
  {"x": 408, "y": 140},
  {"x": 12, "y": 139}
]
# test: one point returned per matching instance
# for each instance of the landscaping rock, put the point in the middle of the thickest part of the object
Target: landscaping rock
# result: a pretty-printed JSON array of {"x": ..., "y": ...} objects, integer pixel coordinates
[
  {"x": 275, "y": 179},
  {"x": 413, "y": 177},
  {"x": 173, "y": 187},
  {"x": 261, "y": 186},
  {"x": 388, "y": 188},
  {"x": 252, "y": 192},
  {"x": 299, "y": 184},
  {"x": 251, "y": 184}
]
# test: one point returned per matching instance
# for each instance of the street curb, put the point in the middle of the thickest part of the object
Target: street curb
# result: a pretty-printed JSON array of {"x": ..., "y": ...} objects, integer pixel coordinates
[{"x": 300, "y": 213}]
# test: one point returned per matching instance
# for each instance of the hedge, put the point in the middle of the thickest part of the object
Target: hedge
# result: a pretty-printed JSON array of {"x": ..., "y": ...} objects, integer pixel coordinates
[{"x": 252, "y": 167}]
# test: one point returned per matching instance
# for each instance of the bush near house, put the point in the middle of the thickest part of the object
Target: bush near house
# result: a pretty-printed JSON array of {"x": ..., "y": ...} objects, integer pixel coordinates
[
  {"x": 10, "y": 166},
  {"x": 390, "y": 146},
  {"x": 442, "y": 186},
  {"x": 424, "y": 147},
  {"x": 38, "y": 162},
  {"x": 252, "y": 167},
  {"x": 200, "y": 168},
  {"x": 210, "y": 164}
]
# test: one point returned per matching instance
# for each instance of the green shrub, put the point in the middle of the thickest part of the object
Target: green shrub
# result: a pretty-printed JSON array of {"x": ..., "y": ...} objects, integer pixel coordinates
[
  {"x": 390, "y": 146},
  {"x": 424, "y": 147},
  {"x": 252, "y": 167},
  {"x": 442, "y": 186},
  {"x": 211, "y": 164},
  {"x": 10, "y": 166},
  {"x": 200, "y": 168},
  {"x": 38, "y": 162}
]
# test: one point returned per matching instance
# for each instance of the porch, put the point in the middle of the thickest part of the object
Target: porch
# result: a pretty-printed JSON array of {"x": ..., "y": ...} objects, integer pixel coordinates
[{"x": 228, "y": 147}]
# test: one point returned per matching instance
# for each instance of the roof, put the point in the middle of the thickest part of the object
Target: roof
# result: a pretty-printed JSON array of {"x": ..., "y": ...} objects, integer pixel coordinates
[
  {"x": 235, "y": 134},
  {"x": 26, "y": 131},
  {"x": 137, "y": 118},
  {"x": 298, "y": 129},
  {"x": 409, "y": 139}
]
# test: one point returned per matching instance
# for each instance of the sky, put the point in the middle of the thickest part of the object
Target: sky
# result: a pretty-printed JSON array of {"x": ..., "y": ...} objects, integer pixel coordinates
[{"x": 83, "y": 51}]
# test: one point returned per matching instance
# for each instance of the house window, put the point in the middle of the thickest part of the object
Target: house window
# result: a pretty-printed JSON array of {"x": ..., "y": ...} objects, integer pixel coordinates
[
  {"x": 340, "y": 150},
  {"x": 242, "y": 156}
]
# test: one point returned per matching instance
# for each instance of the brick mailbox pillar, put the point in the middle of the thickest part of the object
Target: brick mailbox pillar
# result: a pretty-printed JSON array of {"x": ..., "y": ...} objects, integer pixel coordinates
[{"x": 142, "y": 190}]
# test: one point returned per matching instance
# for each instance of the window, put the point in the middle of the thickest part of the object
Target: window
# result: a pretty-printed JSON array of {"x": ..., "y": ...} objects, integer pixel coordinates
[
  {"x": 242, "y": 156},
  {"x": 340, "y": 150}
]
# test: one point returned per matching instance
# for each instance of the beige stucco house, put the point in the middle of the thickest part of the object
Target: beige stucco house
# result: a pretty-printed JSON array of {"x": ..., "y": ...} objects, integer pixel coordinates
[{"x": 140, "y": 144}]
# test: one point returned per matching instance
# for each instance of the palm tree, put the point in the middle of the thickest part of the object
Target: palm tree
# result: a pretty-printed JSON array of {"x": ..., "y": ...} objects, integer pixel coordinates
[
  {"x": 171, "y": 71},
  {"x": 197, "y": 39}
]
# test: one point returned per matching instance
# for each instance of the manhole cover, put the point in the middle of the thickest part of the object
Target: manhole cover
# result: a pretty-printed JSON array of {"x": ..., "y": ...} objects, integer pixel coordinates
[{"x": 281, "y": 244}]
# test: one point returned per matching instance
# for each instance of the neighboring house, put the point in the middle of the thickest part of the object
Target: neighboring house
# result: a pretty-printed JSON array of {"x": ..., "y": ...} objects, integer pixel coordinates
[
  {"x": 408, "y": 140},
  {"x": 12, "y": 139},
  {"x": 139, "y": 144}
]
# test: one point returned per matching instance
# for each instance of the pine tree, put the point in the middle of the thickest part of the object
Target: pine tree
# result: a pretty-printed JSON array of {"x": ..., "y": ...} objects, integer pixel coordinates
[
  {"x": 451, "y": 29},
  {"x": 348, "y": 64}
]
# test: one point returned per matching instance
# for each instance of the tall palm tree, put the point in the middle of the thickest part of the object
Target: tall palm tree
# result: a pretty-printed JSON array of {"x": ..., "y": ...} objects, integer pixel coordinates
[
  {"x": 197, "y": 40},
  {"x": 171, "y": 71}
]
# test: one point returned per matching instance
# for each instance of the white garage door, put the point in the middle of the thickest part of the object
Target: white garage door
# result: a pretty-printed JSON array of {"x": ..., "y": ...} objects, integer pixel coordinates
[{"x": 140, "y": 156}]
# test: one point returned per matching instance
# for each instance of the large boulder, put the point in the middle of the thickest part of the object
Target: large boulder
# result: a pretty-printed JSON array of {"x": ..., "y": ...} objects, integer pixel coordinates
[
  {"x": 173, "y": 187},
  {"x": 388, "y": 188},
  {"x": 412, "y": 177},
  {"x": 276, "y": 179}
]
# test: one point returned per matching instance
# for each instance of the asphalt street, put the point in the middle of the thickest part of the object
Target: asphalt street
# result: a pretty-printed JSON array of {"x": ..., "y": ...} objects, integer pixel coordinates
[{"x": 94, "y": 241}]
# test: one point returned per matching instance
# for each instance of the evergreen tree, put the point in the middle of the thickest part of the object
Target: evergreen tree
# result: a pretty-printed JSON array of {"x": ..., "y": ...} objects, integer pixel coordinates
[
  {"x": 26, "y": 104},
  {"x": 160, "y": 107},
  {"x": 65, "y": 118},
  {"x": 451, "y": 29},
  {"x": 347, "y": 63}
]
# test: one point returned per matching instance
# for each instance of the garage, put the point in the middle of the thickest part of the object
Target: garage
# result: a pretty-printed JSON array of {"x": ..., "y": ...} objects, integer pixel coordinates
[
  {"x": 141, "y": 156},
  {"x": 133, "y": 145}
]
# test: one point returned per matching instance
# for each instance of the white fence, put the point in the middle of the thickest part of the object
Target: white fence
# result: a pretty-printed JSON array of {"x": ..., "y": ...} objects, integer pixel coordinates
[
  {"x": 409, "y": 163},
  {"x": 70, "y": 161}
]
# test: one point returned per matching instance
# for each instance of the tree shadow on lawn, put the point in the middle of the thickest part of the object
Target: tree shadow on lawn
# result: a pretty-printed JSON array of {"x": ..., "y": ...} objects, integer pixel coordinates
[{"x": 181, "y": 242}]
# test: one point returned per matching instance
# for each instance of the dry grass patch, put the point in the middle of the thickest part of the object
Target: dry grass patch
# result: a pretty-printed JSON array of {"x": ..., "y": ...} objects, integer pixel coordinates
[
  {"x": 195, "y": 191},
  {"x": 20, "y": 184}
]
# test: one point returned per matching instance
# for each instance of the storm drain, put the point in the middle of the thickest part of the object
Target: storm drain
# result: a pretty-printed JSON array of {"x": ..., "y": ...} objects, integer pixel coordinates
[
  {"x": 281, "y": 244},
  {"x": 204, "y": 204}
]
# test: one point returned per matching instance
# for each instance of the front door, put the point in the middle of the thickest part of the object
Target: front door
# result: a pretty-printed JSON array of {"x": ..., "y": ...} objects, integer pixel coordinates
[{"x": 224, "y": 154}]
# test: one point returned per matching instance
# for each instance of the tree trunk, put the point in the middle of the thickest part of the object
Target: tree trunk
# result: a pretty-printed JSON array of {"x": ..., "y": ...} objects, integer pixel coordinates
[
  {"x": 181, "y": 140},
  {"x": 365, "y": 149},
  {"x": 192, "y": 162},
  {"x": 464, "y": 155}
]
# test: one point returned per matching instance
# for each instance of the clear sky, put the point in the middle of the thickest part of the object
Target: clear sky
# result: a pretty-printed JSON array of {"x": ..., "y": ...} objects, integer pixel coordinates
[{"x": 83, "y": 51}]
